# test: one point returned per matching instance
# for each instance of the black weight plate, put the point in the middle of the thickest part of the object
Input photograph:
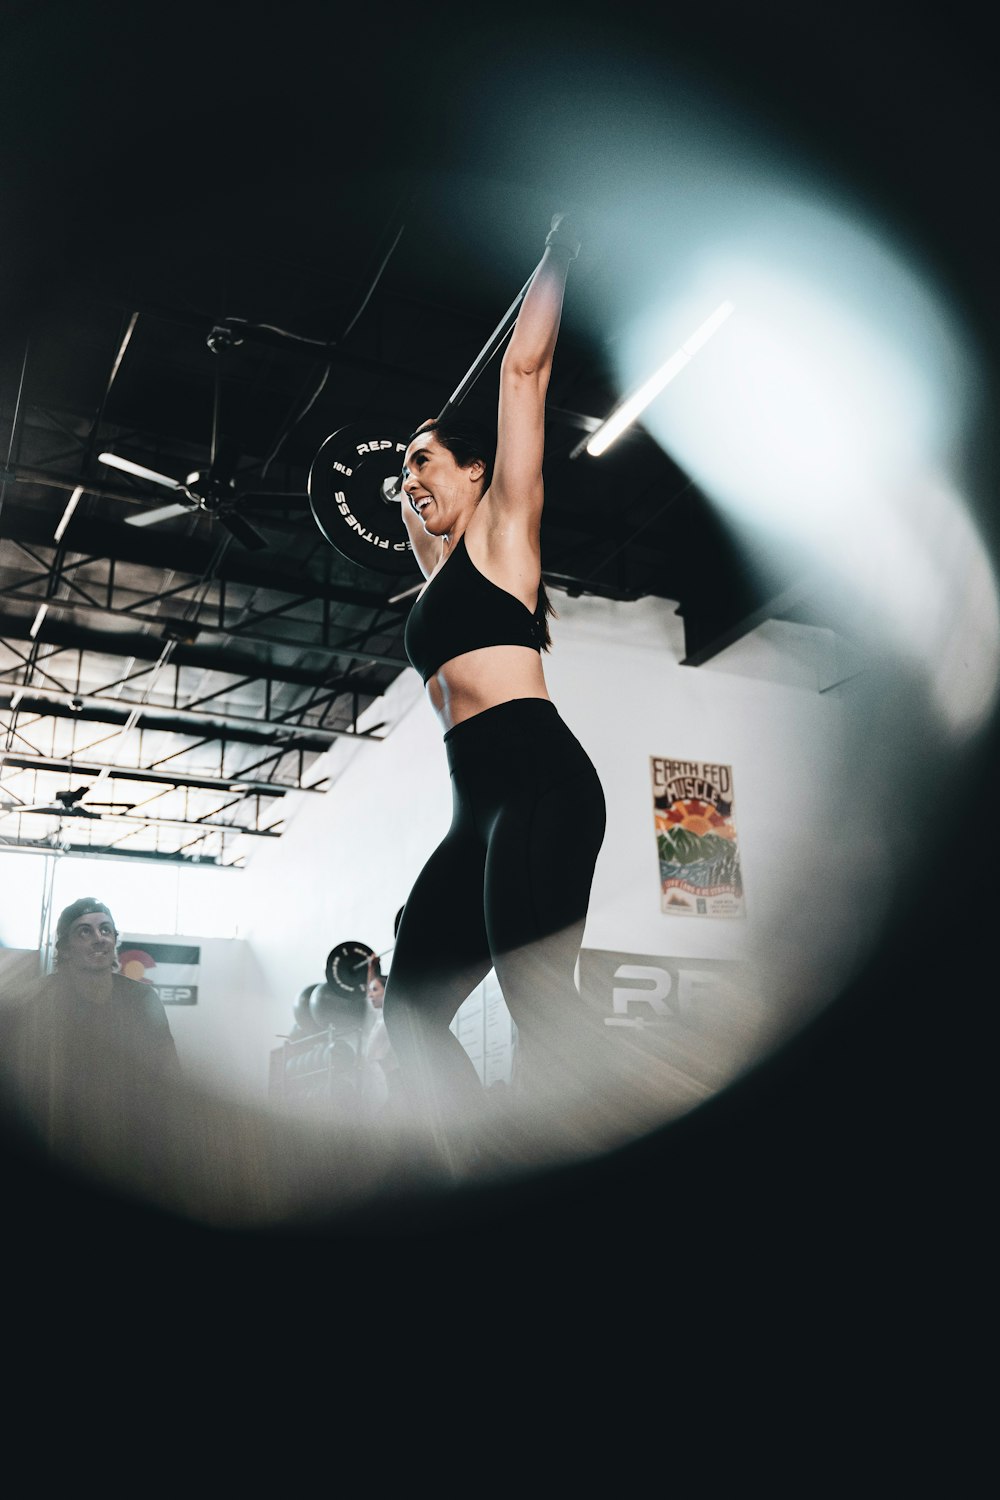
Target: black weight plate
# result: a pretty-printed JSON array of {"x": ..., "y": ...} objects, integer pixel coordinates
[
  {"x": 347, "y": 968},
  {"x": 303, "y": 1019},
  {"x": 332, "y": 1007},
  {"x": 347, "y": 500}
]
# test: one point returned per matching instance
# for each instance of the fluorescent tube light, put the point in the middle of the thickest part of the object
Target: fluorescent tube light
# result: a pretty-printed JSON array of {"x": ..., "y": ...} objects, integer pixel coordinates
[
  {"x": 67, "y": 515},
  {"x": 37, "y": 622},
  {"x": 630, "y": 408}
]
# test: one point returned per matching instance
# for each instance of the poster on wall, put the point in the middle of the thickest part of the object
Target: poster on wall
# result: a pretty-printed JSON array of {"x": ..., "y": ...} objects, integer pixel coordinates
[
  {"x": 171, "y": 968},
  {"x": 696, "y": 844}
]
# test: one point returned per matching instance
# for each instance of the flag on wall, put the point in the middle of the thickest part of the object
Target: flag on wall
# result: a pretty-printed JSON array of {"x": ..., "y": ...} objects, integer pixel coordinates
[
  {"x": 699, "y": 857},
  {"x": 171, "y": 968}
]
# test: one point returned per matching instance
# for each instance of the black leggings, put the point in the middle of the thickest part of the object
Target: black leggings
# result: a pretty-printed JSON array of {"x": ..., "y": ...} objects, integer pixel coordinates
[{"x": 507, "y": 888}]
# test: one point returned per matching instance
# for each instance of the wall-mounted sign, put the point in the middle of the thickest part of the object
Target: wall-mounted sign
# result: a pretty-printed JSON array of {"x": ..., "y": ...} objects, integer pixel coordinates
[
  {"x": 699, "y": 858},
  {"x": 698, "y": 1018},
  {"x": 171, "y": 968},
  {"x": 643, "y": 991}
]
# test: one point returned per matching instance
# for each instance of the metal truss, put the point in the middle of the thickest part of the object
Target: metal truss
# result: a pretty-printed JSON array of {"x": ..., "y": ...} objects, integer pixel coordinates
[
  {"x": 239, "y": 728},
  {"x": 64, "y": 846},
  {"x": 249, "y": 784},
  {"x": 169, "y": 552},
  {"x": 66, "y": 636},
  {"x": 110, "y": 819}
]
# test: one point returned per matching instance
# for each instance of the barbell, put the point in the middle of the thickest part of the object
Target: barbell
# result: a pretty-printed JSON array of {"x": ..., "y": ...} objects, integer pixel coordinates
[
  {"x": 354, "y": 479},
  {"x": 342, "y": 997},
  {"x": 352, "y": 499},
  {"x": 347, "y": 968}
]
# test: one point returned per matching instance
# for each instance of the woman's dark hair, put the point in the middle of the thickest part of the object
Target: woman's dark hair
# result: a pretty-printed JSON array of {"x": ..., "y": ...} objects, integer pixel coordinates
[{"x": 467, "y": 440}]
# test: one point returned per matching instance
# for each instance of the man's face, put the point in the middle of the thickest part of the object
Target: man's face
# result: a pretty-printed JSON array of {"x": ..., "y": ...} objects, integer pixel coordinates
[{"x": 90, "y": 943}]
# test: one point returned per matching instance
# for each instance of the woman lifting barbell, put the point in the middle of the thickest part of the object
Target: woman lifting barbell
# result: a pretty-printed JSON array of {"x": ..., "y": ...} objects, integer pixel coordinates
[{"x": 509, "y": 885}]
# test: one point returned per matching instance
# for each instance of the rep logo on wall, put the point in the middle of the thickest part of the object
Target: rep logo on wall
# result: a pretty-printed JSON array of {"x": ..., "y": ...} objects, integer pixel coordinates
[
  {"x": 645, "y": 991},
  {"x": 171, "y": 968},
  {"x": 697, "y": 1018},
  {"x": 693, "y": 817}
]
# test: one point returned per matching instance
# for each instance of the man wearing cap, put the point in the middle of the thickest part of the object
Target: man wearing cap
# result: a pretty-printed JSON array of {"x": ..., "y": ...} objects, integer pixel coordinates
[{"x": 94, "y": 1047}]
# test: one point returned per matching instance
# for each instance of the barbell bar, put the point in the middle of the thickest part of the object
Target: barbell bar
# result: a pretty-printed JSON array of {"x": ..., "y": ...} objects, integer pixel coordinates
[{"x": 354, "y": 479}]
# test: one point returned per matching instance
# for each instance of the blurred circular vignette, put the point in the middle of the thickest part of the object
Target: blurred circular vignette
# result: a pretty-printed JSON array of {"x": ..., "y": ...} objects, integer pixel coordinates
[{"x": 839, "y": 425}]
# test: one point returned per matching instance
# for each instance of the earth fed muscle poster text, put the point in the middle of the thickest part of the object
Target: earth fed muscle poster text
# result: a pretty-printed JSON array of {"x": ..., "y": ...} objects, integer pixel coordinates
[{"x": 699, "y": 858}]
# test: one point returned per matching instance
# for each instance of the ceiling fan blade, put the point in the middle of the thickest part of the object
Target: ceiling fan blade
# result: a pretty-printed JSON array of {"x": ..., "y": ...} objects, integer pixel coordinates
[
  {"x": 244, "y": 532},
  {"x": 128, "y": 467},
  {"x": 43, "y": 809},
  {"x": 161, "y": 513}
]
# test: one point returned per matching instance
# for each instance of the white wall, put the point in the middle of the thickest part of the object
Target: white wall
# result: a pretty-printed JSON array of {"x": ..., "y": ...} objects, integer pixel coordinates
[
  {"x": 225, "y": 1039},
  {"x": 344, "y": 865},
  {"x": 346, "y": 862}
]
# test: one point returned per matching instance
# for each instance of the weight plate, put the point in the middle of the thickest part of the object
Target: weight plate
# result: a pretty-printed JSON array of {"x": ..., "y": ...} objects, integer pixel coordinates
[
  {"x": 333, "y": 1009},
  {"x": 347, "y": 968},
  {"x": 301, "y": 1012},
  {"x": 347, "y": 483}
]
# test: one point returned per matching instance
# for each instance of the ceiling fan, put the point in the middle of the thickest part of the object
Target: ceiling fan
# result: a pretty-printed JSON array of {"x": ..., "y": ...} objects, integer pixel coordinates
[
  {"x": 212, "y": 489},
  {"x": 67, "y": 804}
]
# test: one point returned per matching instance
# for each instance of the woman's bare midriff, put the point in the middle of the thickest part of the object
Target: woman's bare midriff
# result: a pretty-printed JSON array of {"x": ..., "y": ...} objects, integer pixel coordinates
[{"x": 477, "y": 680}]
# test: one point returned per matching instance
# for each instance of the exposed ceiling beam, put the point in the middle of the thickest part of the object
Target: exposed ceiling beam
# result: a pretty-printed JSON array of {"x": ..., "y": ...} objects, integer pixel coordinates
[
  {"x": 24, "y": 761},
  {"x": 310, "y": 348},
  {"x": 706, "y": 633},
  {"x": 56, "y": 632},
  {"x": 168, "y": 551},
  {"x": 241, "y": 730},
  {"x": 182, "y": 555},
  {"x": 205, "y": 626},
  {"x": 102, "y": 851},
  {"x": 137, "y": 820}
]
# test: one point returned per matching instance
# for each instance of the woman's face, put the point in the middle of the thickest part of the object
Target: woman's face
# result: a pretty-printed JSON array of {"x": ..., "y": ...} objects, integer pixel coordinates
[{"x": 436, "y": 486}]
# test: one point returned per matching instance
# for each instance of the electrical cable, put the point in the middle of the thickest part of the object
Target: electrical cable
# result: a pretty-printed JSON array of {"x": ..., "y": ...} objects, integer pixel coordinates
[
  {"x": 13, "y": 425},
  {"x": 291, "y": 423}
]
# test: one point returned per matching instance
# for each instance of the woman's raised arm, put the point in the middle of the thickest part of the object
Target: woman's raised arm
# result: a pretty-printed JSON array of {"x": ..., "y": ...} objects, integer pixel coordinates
[{"x": 516, "y": 486}]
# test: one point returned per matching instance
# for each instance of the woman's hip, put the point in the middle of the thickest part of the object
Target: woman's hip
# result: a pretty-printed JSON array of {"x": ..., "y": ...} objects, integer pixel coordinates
[{"x": 523, "y": 735}]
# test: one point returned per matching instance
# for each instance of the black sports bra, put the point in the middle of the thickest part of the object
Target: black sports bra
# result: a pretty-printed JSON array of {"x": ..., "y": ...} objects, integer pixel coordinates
[{"x": 460, "y": 610}]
